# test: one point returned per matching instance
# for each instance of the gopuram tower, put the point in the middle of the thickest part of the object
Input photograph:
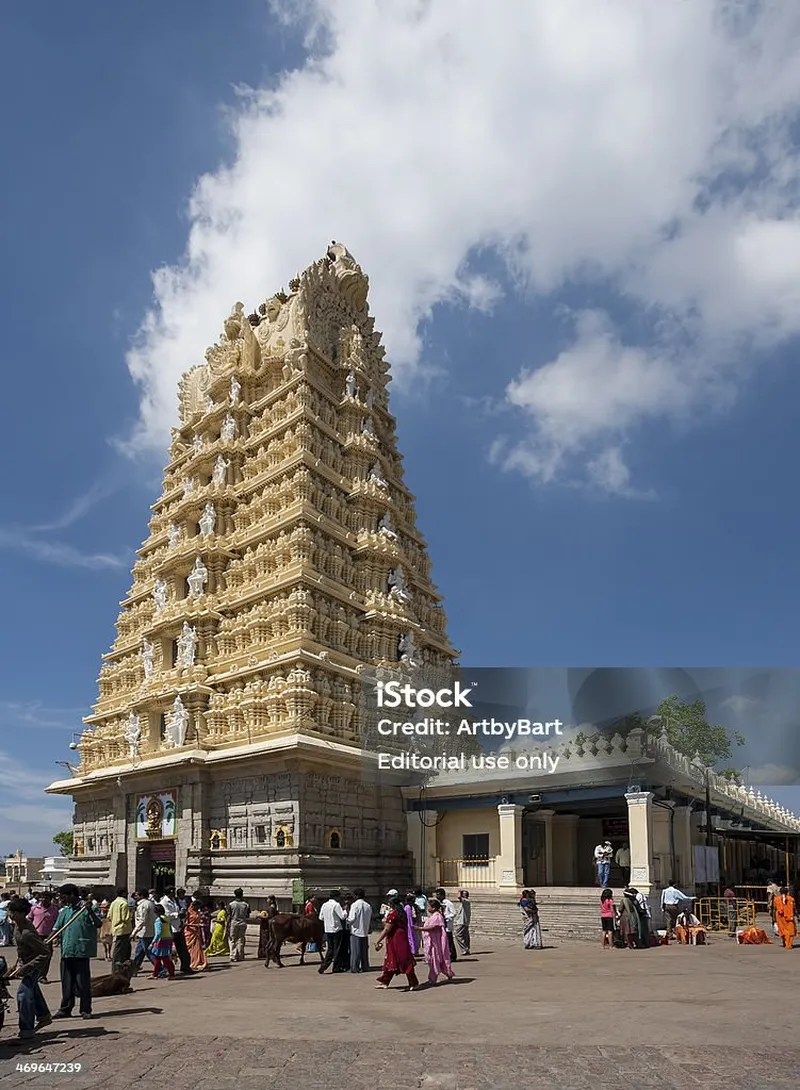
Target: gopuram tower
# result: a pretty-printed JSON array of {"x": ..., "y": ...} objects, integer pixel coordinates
[{"x": 283, "y": 561}]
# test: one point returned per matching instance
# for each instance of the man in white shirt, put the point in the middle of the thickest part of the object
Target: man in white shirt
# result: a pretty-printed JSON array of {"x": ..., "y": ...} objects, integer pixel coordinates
[
  {"x": 671, "y": 902},
  {"x": 603, "y": 854},
  {"x": 449, "y": 913},
  {"x": 172, "y": 909},
  {"x": 462, "y": 921},
  {"x": 333, "y": 920},
  {"x": 144, "y": 927},
  {"x": 623, "y": 861},
  {"x": 360, "y": 920}
]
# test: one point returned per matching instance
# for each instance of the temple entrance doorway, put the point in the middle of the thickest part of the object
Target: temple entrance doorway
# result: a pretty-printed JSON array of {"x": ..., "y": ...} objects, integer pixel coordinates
[{"x": 155, "y": 866}]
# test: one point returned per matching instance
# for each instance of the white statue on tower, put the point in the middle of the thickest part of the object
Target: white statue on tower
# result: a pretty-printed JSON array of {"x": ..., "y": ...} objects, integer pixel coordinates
[
  {"x": 369, "y": 399},
  {"x": 160, "y": 595},
  {"x": 209, "y": 403},
  {"x": 350, "y": 387},
  {"x": 208, "y": 520},
  {"x": 236, "y": 389},
  {"x": 228, "y": 431},
  {"x": 177, "y": 722},
  {"x": 198, "y": 442},
  {"x": 133, "y": 734},
  {"x": 385, "y": 526},
  {"x": 197, "y": 579},
  {"x": 377, "y": 477},
  {"x": 407, "y": 649},
  {"x": 188, "y": 486},
  {"x": 398, "y": 588},
  {"x": 367, "y": 428},
  {"x": 187, "y": 645},
  {"x": 148, "y": 658},
  {"x": 174, "y": 532},
  {"x": 220, "y": 470}
]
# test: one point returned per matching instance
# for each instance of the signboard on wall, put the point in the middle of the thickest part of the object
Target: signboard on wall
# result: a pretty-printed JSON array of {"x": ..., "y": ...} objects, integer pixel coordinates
[
  {"x": 615, "y": 829},
  {"x": 156, "y": 816}
]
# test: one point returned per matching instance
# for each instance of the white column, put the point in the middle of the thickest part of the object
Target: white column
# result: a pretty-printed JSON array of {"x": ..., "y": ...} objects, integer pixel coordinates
[
  {"x": 640, "y": 832},
  {"x": 510, "y": 860}
]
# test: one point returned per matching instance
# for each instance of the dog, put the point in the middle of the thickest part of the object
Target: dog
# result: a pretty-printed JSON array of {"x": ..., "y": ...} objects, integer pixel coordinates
[{"x": 116, "y": 983}]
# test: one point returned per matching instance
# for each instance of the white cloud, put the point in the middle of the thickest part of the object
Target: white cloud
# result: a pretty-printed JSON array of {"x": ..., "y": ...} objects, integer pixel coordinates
[
  {"x": 640, "y": 146},
  {"x": 740, "y": 705},
  {"x": 29, "y": 819},
  {"x": 32, "y": 713},
  {"x": 56, "y": 552},
  {"x": 773, "y": 775}
]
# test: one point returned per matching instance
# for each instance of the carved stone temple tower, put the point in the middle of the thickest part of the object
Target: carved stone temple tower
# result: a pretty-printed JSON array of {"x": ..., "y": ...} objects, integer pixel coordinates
[{"x": 283, "y": 558}]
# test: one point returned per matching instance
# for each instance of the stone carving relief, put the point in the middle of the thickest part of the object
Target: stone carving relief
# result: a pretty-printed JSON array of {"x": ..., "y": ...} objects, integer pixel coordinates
[
  {"x": 187, "y": 645},
  {"x": 197, "y": 579}
]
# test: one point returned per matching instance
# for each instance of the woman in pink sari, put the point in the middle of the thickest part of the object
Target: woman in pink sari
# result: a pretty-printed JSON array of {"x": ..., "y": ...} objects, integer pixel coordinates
[{"x": 435, "y": 944}]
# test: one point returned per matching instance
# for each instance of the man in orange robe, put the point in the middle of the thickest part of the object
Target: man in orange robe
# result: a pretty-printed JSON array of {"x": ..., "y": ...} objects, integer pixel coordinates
[{"x": 785, "y": 913}]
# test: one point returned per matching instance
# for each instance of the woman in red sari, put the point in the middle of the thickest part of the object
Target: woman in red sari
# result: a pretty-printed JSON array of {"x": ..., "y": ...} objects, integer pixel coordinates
[
  {"x": 399, "y": 959},
  {"x": 193, "y": 934}
]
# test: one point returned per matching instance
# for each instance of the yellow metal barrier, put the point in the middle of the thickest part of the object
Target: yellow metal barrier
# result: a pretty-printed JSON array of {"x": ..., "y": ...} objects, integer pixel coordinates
[{"x": 722, "y": 914}]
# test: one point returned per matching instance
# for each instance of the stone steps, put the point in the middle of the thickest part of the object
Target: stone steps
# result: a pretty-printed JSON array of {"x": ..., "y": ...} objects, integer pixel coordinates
[{"x": 567, "y": 914}]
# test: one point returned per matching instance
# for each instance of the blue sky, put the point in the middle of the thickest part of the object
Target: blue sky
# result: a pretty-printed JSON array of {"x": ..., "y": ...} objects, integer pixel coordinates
[{"x": 595, "y": 338}]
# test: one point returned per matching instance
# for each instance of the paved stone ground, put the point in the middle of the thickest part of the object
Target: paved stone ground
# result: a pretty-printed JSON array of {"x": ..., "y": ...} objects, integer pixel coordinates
[{"x": 558, "y": 1019}]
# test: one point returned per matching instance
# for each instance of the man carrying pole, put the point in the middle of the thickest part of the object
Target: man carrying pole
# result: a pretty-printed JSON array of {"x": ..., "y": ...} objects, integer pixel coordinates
[{"x": 79, "y": 923}]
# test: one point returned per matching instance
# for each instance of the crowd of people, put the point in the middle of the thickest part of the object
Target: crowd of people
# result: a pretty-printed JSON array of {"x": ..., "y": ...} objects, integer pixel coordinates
[{"x": 133, "y": 929}]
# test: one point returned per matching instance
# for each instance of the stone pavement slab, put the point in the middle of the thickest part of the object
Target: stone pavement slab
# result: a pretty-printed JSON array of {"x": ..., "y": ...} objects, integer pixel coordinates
[{"x": 576, "y": 1016}]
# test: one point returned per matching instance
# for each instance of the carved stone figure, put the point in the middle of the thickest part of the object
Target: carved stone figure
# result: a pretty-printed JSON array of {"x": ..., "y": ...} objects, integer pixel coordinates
[
  {"x": 148, "y": 658},
  {"x": 385, "y": 526},
  {"x": 160, "y": 595},
  {"x": 187, "y": 645},
  {"x": 197, "y": 578},
  {"x": 133, "y": 734},
  {"x": 407, "y": 649},
  {"x": 208, "y": 520},
  {"x": 367, "y": 428},
  {"x": 398, "y": 588},
  {"x": 236, "y": 389},
  {"x": 370, "y": 399},
  {"x": 221, "y": 467},
  {"x": 228, "y": 431},
  {"x": 175, "y": 535},
  {"x": 198, "y": 442},
  {"x": 177, "y": 723},
  {"x": 209, "y": 403},
  {"x": 350, "y": 385},
  {"x": 377, "y": 477},
  {"x": 188, "y": 486}
]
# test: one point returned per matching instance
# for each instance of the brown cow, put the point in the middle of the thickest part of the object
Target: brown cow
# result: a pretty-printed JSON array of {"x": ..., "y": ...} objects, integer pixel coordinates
[
  {"x": 291, "y": 928},
  {"x": 116, "y": 983}
]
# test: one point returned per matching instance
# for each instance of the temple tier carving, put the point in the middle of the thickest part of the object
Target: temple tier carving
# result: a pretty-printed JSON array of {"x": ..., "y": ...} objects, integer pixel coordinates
[{"x": 283, "y": 553}]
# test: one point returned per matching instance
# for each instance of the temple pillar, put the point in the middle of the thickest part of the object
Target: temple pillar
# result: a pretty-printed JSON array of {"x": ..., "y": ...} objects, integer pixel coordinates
[
  {"x": 546, "y": 818},
  {"x": 510, "y": 817},
  {"x": 683, "y": 846},
  {"x": 640, "y": 833}
]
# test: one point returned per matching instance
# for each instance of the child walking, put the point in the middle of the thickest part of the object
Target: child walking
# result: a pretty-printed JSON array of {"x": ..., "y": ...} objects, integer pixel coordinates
[
  {"x": 161, "y": 950},
  {"x": 608, "y": 918}
]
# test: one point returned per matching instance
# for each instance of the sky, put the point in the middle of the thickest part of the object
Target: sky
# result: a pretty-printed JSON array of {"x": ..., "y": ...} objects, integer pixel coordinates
[{"x": 580, "y": 224}]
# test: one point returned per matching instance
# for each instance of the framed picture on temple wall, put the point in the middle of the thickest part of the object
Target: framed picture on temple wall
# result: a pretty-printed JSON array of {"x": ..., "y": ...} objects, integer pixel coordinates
[{"x": 156, "y": 816}]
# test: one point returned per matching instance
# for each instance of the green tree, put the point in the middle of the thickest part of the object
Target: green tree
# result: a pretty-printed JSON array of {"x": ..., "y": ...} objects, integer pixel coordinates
[
  {"x": 64, "y": 842},
  {"x": 689, "y": 731}
]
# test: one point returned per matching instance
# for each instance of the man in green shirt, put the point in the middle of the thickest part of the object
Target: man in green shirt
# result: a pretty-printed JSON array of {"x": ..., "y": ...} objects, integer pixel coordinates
[{"x": 78, "y": 947}]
